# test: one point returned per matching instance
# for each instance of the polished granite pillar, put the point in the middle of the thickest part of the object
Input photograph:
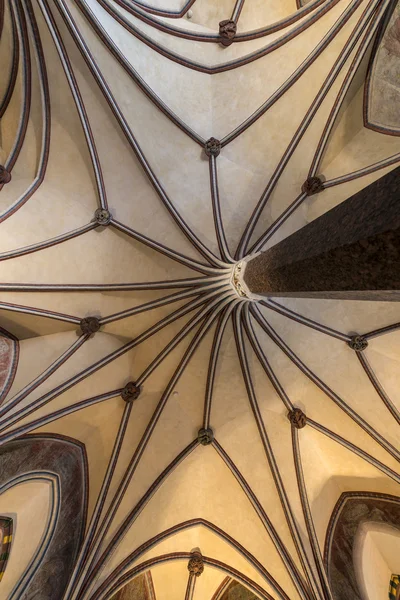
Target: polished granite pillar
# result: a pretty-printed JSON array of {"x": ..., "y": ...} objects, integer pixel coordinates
[{"x": 350, "y": 252}]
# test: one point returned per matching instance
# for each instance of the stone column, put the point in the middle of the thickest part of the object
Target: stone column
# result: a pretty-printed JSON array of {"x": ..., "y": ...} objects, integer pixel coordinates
[{"x": 350, "y": 252}]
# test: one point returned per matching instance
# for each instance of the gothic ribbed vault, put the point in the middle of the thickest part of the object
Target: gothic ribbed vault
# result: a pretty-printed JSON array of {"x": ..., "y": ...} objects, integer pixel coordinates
[{"x": 152, "y": 415}]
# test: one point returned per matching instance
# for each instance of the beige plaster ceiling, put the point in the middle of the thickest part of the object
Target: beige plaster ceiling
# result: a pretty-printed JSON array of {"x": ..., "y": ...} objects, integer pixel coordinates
[{"x": 108, "y": 104}]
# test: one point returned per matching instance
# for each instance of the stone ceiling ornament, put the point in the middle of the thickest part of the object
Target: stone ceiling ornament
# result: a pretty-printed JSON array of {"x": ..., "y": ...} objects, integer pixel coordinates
[
  {"x": 212, "y": 147},
  {"x": 227, "y": 31},
  {"x": 205, "y": 436},
  {"x": 297, "y": 418},
  {"x": 358, "y": 343},
  {"x": 196, "y": 564},
  {"x": 131, "y": 392},
  {"x": 102, "y": 216},
  {"x": 237, "y": 281},
  {"x": 90, "y": 325},
  {"x": 312, "y": 185},
  {"x": 5, "y": 176}
]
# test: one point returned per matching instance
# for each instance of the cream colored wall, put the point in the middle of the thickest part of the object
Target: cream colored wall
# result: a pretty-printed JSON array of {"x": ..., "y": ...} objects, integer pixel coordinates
[
  {"x": 29, "y": 505},
  {"x": 376, "y": 558}
]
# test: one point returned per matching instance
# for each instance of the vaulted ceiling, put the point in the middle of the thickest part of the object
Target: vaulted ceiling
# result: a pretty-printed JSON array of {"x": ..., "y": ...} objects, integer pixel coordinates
[{"x": 150, "y": 414}]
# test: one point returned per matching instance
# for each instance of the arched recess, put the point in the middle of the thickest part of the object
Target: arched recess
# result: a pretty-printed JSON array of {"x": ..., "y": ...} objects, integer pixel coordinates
[
  {"x": 9, "y": 353},
  {"x": 31, "y": 499},
  {"x": 229, "y": 558},
  {"x": 233, "y": 590},
  {"x": 353, "y": 510},
  {"x": 109, "y": 588},
  {"x": 188, "y": 497},
  {"x": 382, "y": 88},
  {"x": 350, "y": 153},
  {"x": 6, "y": 534},
  {"x": 65, "y": 459},
  {"x": 141, "y": 588},
  {"x": 377, "y": 559}
]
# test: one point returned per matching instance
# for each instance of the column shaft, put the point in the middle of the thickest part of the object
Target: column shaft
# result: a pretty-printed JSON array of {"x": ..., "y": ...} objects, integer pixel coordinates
[{"x": 350, "y": 252}]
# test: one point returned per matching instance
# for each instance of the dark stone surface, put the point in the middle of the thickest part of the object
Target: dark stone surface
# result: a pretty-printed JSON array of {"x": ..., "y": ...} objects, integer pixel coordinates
[
  {"x": 135, "y": 590},
  {"x": 355, "y": 248},
  {"x": 351, "y": 511},
  {"x": 66, "y": 458},
  {"x": 236, "y": 591}
]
